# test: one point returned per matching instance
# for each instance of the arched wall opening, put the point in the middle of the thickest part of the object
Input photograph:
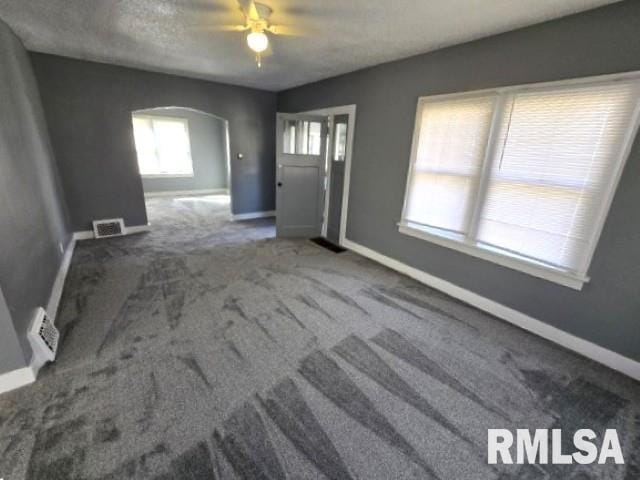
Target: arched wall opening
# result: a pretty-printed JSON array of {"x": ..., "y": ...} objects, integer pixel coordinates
[{"x": 181, "y": 151}]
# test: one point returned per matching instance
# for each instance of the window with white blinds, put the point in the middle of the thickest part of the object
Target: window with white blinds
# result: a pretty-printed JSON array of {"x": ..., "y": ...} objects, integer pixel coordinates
[
  {"x": 162, "y": 145},
  {"x": 450, "y": 153},
  {"x": 523, "y": 175}
]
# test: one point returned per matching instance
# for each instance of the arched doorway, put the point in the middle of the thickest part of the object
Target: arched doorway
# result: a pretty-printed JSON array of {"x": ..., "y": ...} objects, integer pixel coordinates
[{"x": 183, "y": 153}]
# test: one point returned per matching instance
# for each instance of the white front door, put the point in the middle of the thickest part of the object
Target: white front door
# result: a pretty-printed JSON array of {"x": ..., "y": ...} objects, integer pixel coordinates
[{"x": 300, "y": 175}]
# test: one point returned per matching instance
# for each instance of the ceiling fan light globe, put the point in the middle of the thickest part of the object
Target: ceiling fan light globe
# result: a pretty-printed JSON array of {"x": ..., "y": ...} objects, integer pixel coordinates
[{"x": 258, "y": 41}]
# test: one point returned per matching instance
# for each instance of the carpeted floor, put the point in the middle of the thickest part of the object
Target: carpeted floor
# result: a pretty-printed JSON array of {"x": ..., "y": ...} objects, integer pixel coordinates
[{"x": 209, "y": 349}]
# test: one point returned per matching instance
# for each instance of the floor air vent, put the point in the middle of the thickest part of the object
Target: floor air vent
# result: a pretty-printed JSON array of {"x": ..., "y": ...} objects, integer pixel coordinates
[
  {"x": 43, "y": 337},
  {"x": 111, "y": 227}
]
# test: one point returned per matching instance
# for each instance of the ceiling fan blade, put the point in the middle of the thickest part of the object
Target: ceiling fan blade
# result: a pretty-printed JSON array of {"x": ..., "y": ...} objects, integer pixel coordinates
[
  {"x": 287, "y": 31},
  {"x": 248, "y": 7},
  {"x": 264, "y": 11},
  {"x": 220, "y": 28}
]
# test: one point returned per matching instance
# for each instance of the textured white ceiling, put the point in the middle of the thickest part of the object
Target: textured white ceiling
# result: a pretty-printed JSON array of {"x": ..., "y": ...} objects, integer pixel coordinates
[{"x": 340, "y": 35}]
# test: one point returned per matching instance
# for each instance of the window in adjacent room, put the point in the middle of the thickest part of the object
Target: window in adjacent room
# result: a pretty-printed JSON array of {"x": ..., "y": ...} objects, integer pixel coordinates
[
  {"x": 162, "y": 145},
  {"x": 522, "y": 176}
]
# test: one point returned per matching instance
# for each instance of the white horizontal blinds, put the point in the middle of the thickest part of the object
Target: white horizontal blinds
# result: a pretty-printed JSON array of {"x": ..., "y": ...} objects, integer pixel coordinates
[
  {"x": 556, "y": 154},
  {"x": 452, "y": 139}
]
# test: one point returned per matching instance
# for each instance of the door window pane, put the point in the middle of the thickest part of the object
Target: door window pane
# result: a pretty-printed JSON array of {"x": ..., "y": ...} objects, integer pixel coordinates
[
  {"x": 314, "y": 139},
  {"x": 302, "y": 137}
]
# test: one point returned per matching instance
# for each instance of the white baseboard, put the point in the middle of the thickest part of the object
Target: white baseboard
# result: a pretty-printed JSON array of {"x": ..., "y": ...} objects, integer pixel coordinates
[
  {"x": 251, "y": 215},
  {"x": 83, "y": 235},
  {"x": 88, "y": 234},
  {"x": 16, "y": 379},
  {"x": 588, "y": 349},
  {"x": 137, "y": 229},
  {"x": 58, "y": 284},
  {"x": 182, "y": 193}
]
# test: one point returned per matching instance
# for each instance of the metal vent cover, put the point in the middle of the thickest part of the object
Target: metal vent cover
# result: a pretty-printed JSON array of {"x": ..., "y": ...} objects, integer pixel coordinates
[
  {"x": 111, "y": 227},
  {"x": 43, "y": 336}
]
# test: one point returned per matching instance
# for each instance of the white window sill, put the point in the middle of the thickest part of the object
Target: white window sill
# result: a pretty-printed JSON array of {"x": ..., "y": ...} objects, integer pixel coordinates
[
  {"x": 167, "y": 175},
  {"x": 504, "y": 259}
]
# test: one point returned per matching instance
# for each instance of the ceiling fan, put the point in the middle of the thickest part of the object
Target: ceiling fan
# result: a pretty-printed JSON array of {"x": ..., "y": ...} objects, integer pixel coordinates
[{"x": 258, "y": 25}]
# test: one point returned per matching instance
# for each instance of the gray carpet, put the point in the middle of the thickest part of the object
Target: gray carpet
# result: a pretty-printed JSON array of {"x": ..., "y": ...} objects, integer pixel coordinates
[{"x": 209, "y": 349}]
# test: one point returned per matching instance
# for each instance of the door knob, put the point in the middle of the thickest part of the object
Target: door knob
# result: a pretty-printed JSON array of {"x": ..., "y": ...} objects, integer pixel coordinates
[{"x": 279, "y": 184}]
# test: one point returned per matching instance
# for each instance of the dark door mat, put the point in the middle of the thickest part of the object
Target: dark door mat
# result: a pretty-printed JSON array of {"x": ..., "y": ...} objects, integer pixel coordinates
[{"x": 323, "y": 242}]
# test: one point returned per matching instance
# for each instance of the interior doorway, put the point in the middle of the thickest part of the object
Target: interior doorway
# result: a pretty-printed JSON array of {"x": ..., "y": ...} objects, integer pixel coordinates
[
  {"x": 341, "y": 122},
  {"x": 182, "y": 152}
]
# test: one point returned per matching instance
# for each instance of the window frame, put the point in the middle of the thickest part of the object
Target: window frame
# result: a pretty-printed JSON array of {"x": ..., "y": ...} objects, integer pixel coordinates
[
  {"x": 464, "y": 243},
  {"x": 151, "y": 117}
]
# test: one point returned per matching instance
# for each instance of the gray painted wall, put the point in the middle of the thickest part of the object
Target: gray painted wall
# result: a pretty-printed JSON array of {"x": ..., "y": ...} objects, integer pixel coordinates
[
  {"x": 11, "y": 355},
  {"x": 33, "y": 216},
  {"x": 208, "y": 136},
  {"x": 607, "y": 311},
  {"x": 88, "y": 108}
]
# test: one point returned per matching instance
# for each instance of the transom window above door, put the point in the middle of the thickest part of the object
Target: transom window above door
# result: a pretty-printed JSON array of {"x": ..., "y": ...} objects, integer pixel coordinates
[
  {"x": 521, "y": 176},
  {"x": 163, "y": 146}
]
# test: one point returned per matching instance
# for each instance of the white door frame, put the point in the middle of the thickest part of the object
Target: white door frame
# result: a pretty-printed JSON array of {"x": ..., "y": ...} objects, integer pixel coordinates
[{"x": 349, "y": 110}]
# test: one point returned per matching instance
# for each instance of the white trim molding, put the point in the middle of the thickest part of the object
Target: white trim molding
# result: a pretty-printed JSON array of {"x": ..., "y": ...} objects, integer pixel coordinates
[
  {"x": 88, "y": 234},
  {"x": 58, "y": 284},
  {"x": 514, "y": 262},
  {"x": 588, "y": 349},
  {"x": 249, "y": 216},
  {"x": 16, "y": 379},
  {"x": 166, "y": 175},
  {"x": 137, "y": 229},
  {"x": 187, "y": 193},
  {"x": 83, "y": 235}
]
